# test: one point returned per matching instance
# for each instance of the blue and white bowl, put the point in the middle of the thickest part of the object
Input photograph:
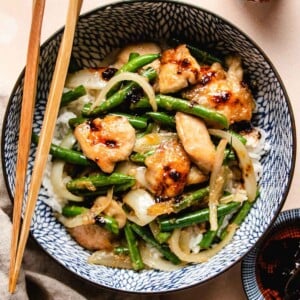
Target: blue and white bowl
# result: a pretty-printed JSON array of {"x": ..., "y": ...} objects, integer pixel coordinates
[
  {"x": 109, "y": 27},
  {"x": 286, "y": 219}
]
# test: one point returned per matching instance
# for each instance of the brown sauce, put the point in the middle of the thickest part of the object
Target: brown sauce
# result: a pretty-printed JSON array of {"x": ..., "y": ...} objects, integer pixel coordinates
[{"x": 278, "y": 260}]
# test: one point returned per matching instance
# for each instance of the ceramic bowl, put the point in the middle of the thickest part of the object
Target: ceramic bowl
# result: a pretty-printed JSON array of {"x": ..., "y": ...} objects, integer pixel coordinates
[
  {"x": 286, "y": 227},
  {"x": 109, "y": 27}
]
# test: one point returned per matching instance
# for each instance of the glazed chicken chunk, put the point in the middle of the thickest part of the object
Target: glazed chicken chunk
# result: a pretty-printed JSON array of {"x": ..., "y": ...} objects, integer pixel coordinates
[
  {"x": 167, "y": 169},
  {"x": 178, "y": 69},
  {"x": 196, "y": 141},
  {"x": 106, "y": 141},
  {"x": 223, "y": 91}
]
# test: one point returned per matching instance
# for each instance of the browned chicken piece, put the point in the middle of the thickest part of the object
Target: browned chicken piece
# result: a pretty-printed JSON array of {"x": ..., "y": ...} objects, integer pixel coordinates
[
  {"x": 223, "y": 91},
  {"x": 178, "y": 69},
  {"x": 92, "y": 237},
  {"x": 196, "y": 140},
  {"x": 106, "y": 141},
  {"x": 196, "y": 176},
  {"x": 167, "y": 169}
]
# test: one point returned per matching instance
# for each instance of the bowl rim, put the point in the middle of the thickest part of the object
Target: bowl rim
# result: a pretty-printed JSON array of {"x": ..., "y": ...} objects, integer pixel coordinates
[
  {"x": 266, "y": 58},
  {"x": 248, "y": 266}
]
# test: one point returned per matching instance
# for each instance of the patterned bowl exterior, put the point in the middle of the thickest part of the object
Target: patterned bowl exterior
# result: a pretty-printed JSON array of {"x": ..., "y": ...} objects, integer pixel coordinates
[
  {"x": 249, "y": 262},
  {"x": 109, "y": 27}
]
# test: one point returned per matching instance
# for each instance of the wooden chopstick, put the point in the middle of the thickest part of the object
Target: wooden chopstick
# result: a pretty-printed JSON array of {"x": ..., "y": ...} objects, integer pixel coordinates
[
  {"x": 48, "y": 126},
  {"x": 27, "y": 109}
]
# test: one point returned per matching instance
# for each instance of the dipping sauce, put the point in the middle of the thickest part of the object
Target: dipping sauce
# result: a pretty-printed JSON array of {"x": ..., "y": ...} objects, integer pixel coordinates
[{"x": 278, "y": 260}]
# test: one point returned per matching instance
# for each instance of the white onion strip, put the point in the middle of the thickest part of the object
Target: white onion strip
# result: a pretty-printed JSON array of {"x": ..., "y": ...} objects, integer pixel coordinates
[
  {"x": 57, "y": 177},
  {"x": 203, "y": 256},
  {"x": 127, "y": 76},
  {"x": 86, "y": 218},
  {"x": 216, "y": 184},
  {"x": 244, "y": 160}
]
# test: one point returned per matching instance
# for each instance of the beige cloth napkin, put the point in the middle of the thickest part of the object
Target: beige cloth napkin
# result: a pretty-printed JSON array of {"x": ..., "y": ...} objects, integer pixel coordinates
[{"x": 41, "y": 276}]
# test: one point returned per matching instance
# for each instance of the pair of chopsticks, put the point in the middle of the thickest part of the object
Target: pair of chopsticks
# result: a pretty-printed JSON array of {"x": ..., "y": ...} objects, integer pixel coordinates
[{"x": 20, "y": 235}]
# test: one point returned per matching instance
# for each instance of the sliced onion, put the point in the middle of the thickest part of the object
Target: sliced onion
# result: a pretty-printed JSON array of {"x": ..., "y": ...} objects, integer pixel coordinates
[
  {"x": 139, "y": 200},
  {"x": 216, "y": 184},
  {"x": 203, "y": 256},
  {"x": 110, "y": 259},
  {"x": 57, "y": 177},
  {"x": 161, "y": 208},
  {"x": 151, "y": 141},
  {"x": 100, "y": 204},
  {"x": 244, "y": 160},
  {"x": 127, "y": 76},
  {"x": 153, "y": 259}
]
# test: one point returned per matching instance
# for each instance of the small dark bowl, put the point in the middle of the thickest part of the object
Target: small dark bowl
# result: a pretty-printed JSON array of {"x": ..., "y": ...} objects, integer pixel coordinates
[{"x": 267, "y": 268}]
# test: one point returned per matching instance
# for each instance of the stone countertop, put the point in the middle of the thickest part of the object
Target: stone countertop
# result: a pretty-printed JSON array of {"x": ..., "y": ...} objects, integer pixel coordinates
[{"x": 274, "y": 26}]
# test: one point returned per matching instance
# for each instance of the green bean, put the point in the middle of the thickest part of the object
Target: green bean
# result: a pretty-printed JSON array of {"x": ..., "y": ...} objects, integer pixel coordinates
[
  {"x": 139, "y": 158},
  {"x": 73, "y": 122},
  {"x": 72, "y": 95},
  {"x": 134, "y": 63},
  {"x": 195, "y": 217},
  {"x": 238, "y": 136},
  {"x": 67, "y": 155},
  {"x": 146, "y": 235},
  {"x": 242, "y": 213},
  {"x": 109, "y": 222},
  {"x": 134, "y": 252},
  {"x": 98, "y": 183},
  {"x": 133, "y": 55},
  {"x": 73, "y": 210},
  {"x": 210, "y": 235},
  {"x": 176, "y": 104},
  {"x": 118, "y": 97},
  {"x": 138, "y": 122},
  {"x": 162, "y": 237},
  {"x": 162, "y": 118},
  {"x": 137, "y": 62},
  {"x": 121, "y": 250},
  {"x": 190, "y": 199}
]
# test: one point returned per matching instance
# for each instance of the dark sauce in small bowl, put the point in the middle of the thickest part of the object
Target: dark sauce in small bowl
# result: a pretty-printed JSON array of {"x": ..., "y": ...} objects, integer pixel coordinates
[{"x": 278, "y": 263}]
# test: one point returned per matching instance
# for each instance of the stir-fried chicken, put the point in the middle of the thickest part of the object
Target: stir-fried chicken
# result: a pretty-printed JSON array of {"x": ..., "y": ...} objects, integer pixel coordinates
[
  {"x": 196, "y": 140},
  {"x": 167, "y": 169},
  {"x": 106, "y": 141},
  {"x": 223, "y": 91},
  {"x": 92, "y": 237},
  {"x": 178, "y": 69}
]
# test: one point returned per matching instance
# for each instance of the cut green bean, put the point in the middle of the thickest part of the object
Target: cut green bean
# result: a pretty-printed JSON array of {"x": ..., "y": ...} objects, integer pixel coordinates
[
  {"x": 139, "y": 158},
  {"x": 190, "y": 199},
  {"x": 176, "y": 104},
  {"x": 146, "y": 235},
  {"x": 72, "y": 95},
  {"x": 137, "y": 62},
  {"x": 210, "y": 235},
  {"x": 121, "y": 250},
  {"x": 238, "y": 136},
  {"x": 118, "y": 97},
  {"x": 97, "y": 183},
  {"x": 138, "y": 122},
  {"x": 196, "y": 217},
  {"x": 243, "y": 212},
  {"x": 162, "y": 118},
  {"x": 109, "y": 223},
  {"x": 134, "y": 252},
  {"x": 73, "y": 122},
  {"x": 67, "y": 155},
  {"x": 73, "y": 210}
]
